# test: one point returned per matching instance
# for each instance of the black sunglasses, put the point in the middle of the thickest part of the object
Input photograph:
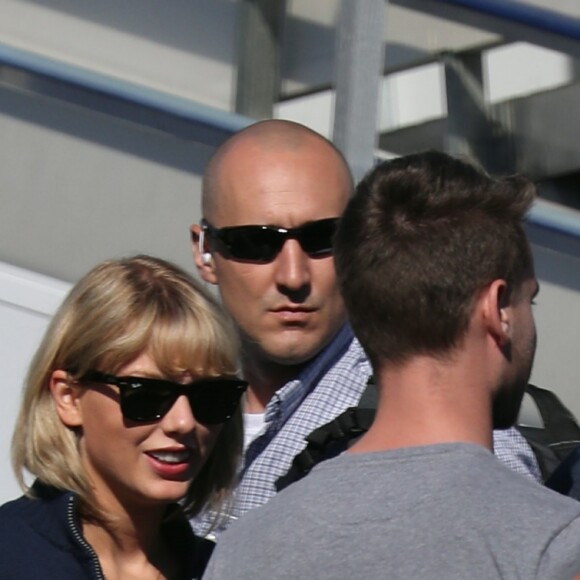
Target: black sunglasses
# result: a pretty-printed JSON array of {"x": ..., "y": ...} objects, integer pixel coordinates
[
  {"x": 262, "y": 244},
  {"x": 212, "y": 400}
]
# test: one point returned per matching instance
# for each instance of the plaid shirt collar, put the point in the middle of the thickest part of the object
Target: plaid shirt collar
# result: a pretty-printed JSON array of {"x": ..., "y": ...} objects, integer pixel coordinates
[{"x": 288, "y": 398}]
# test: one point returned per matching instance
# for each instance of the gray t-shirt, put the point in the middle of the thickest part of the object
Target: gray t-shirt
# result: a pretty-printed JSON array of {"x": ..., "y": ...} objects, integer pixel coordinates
[{"x": 449, "y": 511}]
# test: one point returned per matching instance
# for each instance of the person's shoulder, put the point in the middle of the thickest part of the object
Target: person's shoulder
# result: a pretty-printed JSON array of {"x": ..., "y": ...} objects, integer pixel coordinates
[
  {"x": 24, "y": 515},
  {"x": 274, "y": 517},
  {"x": 519, "y": 492},
  {"x": 40, "y": 499},
  {"x": 258, "y": 539},
  {"x": 37, "y": 540},
  {"x": 14, "y": 510},
  {"x": 17, "y": 536},
  {"x": 39, "y": 519}
]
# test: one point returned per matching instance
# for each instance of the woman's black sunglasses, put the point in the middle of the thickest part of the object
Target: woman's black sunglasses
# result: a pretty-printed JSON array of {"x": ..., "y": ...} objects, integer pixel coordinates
[
  {"x": 262, "y": 244},
  {"x": 212, "y": 400}
]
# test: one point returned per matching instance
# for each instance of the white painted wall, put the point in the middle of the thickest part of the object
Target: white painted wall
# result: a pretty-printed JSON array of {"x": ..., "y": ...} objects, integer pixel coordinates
[
  {"x": 27, "y": 301},
  {"x": 183, "y": 47},
  {"x": 78, "y": 188}
]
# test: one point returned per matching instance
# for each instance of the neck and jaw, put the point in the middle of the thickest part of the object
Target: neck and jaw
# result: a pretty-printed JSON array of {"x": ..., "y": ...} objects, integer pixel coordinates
[{"x": 456, "y": 396}]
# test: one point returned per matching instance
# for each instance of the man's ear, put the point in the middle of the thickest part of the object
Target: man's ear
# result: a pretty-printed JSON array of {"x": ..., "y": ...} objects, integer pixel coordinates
[
  {"x": 66, "y": 397},
  {"x": 497, "y": 312},
  {"x": 202, "y": 256}
]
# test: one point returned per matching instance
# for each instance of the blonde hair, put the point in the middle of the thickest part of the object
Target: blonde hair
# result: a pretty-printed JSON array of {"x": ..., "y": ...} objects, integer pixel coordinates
[{"x": 117, "y": 311}]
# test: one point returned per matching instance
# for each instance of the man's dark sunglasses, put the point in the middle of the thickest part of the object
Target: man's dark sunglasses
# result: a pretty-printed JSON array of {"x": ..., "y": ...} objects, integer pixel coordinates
[
  {"x": 262, "y": 244},
  {"x": 212, "y": 400}
]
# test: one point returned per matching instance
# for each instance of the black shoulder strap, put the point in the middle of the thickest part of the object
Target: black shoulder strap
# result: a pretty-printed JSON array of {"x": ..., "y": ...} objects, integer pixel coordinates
[
  {"x": 560, "y": 434},
  {"x": 333, "y": 438},
  {"x": 369, "y": 398},
  {"x": 327, "y": 441},
  {"x": 558, "y": 420}
]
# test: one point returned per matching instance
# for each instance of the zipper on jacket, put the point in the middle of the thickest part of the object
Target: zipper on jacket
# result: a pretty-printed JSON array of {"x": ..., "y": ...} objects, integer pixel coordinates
[{"x": 74, "y": 528}]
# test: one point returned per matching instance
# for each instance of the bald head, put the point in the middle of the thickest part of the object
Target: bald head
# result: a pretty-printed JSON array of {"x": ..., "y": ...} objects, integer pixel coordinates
[{"x": 257, "y": 148}]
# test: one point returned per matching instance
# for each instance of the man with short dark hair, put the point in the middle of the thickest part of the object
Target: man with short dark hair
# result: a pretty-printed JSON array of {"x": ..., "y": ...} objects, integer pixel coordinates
[
  {"x": 438, "y": 279},
  {"x": 272, "y": 195}
]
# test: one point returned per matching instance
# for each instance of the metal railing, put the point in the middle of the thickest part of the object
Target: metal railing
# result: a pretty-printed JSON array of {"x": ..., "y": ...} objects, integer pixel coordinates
[{"x": 31, "y": 72}]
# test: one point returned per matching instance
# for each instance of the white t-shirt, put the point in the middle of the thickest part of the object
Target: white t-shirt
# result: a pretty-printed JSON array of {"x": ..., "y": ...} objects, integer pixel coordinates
[{"x": 254, "y": 424}]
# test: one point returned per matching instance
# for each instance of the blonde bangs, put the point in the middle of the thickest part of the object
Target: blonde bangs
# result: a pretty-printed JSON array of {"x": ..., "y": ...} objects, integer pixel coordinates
[
  {"x": 195, "y": 345},
  {"x": 194, "y": 340}
]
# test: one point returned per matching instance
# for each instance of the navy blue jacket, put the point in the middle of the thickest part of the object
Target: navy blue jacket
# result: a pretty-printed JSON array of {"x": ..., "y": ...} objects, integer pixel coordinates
[{"x": 42, "y": 538}]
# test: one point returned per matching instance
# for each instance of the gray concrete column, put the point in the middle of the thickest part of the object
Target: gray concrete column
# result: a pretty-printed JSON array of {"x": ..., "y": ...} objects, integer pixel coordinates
[
  {"x": 259, "y": 32},
  {"x": 359, "y": 68}
]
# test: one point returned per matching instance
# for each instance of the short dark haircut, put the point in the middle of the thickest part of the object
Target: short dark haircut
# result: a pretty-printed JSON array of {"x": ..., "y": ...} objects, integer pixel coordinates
[{"x": 421, "y": 236}]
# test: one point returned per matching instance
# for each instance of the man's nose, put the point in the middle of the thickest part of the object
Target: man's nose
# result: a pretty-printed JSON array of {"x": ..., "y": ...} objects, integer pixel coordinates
[{"x": 293, "y": 267}]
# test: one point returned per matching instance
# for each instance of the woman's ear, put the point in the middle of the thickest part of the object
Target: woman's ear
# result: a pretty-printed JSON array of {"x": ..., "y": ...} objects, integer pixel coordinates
[
  {"x": 202, "y": 256},
  {"x": 66, "y": 395}
]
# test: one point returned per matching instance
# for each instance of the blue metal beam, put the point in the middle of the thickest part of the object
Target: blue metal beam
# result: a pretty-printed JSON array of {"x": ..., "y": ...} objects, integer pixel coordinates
[
  {"x": 555, "y": 227},
  {"x": 515, "y": 21},
  {"x": 521, "y": 13},
  {"x": 34, "y": 73}
]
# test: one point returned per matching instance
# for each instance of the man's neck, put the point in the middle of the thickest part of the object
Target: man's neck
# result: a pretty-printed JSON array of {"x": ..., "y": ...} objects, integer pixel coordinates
[
  {"x": 265, "y": 378},
  {"x": 428, "y": 401}
]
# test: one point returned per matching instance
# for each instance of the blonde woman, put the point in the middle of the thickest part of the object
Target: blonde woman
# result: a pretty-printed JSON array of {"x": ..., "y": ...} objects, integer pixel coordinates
[{"x": 131, "y": 405}]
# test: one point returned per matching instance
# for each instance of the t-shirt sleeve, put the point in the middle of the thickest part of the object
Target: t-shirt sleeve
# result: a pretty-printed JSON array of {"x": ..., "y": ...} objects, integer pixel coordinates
[{"x": 561, "y": 558}]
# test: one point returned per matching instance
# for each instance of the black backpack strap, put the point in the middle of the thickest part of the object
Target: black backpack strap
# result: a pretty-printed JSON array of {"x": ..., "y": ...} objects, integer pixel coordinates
[
  {"x": 559, "y": 435},
  {"x": 558, "y": 419},
  {"x": 327, "y": 441},
  {"x": 369, "y": 398},
  {"x": 334, "y": 437}
]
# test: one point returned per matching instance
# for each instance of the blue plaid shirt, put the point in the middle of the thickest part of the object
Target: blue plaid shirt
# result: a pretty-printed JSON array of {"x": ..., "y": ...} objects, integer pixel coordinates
[{"x": 334, "y": 381}]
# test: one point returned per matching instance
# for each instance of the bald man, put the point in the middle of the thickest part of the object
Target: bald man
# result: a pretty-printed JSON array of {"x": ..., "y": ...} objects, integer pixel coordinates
[{"x": 272, "y": 195}]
